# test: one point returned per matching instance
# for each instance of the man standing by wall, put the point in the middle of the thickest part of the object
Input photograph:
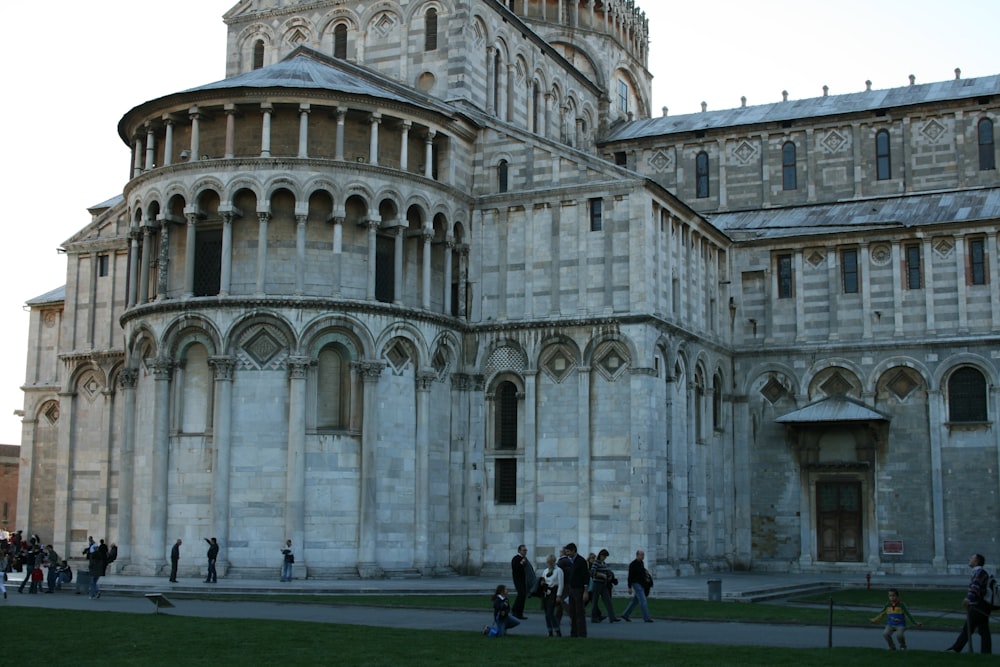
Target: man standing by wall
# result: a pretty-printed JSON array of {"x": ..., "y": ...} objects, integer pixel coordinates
[
  {"x": 579, "y": 579},
  {"x": 213, "y": 554},
  {"x": 518, "y": 570},
  {"x": 175, "y": 556}
]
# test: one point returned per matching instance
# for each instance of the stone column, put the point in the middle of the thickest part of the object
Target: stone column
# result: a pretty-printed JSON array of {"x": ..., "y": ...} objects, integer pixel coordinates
[
  {"x": 137, "y": 152},
  {"x": 126, "y": 477},
  {"x": 230, "y": 110},
  {"x": 162, "y": 274},
  {"x": 463, "y": 279},
  {"x": 339, "y": 149},
  {"x": 404, "y": 148},
  {"x": 263, "y": 217},
  {"x": 399, "y": 235},
  {"x": 338, "y": 253},
  {"x": 150, "y": 147},
  {"x": 937, "y": 411},
  {"x": 133, "y": 265},
  {"x": 425, "y": 297},
  {"x": 162, "y": 370},
  {"x": 303, "y": 130},
  {"x": 375, "y": 120},
  {"x": 491, "y": 79},
  {"x": 429, "y": 154},
  {"x": 265, "y": 131},
  {"x": 300, "y": 254},
  {"x": 373, "y": 226},
  {"x": 449, "y": 247},
  {"x": 422, "y": 482},
  {"x": 295, "y": 471},
  {"x": 191, "y": 243},
  {"x": 195, "y": 117},
  {"x": 583, "y": 462},
  {"x": 547, "y": 120},
  {"x": 168, "y": 142},
  {"x": 510, "y": 92},
  {"x": 370, "y": 371},
  {"x": 222, "y": 440},
  {"x": 226, "y": 270},
  {"x": 528, "y": 404},
  {"x": 147, "y": 236}
]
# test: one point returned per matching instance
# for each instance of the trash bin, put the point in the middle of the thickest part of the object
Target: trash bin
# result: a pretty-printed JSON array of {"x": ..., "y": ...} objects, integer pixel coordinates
[
  {"x": 715, "y": 590},
  {"x": 82, "y": 581}
]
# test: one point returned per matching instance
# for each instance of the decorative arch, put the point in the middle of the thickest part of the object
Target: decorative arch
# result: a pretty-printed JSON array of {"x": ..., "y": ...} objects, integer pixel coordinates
[{"x": 261, "y": 340}]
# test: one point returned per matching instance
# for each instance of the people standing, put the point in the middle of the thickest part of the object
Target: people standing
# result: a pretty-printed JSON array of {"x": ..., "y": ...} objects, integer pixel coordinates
[
  {"x": 553, "y": 588},
  {"x": 213, "y": 553},
  {"x": 288, "y": 559},
  {"x": 175, "y": 557},
  {"x": 977, "y": 609},
  {"x": 638, "y": 580},
  {"x": 603, "y": 579},
  {"x": 27, "y": 559},
  {"x": 51, "y": 562},
  {"x": 579, "y": 579},
  {"x": 518, "y": 570},
  {"x": 97, "y": 567}
]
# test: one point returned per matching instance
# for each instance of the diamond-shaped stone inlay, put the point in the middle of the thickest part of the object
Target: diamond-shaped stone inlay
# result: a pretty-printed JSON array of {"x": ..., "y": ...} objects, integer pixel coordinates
[
  {"x": 745, "y": 152},
  {"x": 441, "y": 361},
  {"x": 833, "y": 141},
  {"x": 933, "y": 130},
  {"x": 297, "y": 37},
  {"x": 612, "y": 361},
  {"x": 773, "y": 391},
  {"x": 262, "y": 347},
  {"x": 816, "y": 258},
  {"x": 384, "y": 24},
  {"x": 902, "y": 384},
  {"x": 51, "y": 412},
  {"x": 91, "y": 388},
  {"x": 557, "y": 362},
  {"x": 836, "y": 385},
  {"x": 881, "y": 254},
  {"x": 661, "y": 160},
  {"x": 398, "y": 356},
  {"x": 944, "y": 247}
]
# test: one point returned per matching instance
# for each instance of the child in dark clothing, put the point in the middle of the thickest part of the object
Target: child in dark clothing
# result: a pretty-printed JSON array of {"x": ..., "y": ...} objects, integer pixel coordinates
[
  {"x": 501, "y": 611},
  {"x": 896, "y": 614}
]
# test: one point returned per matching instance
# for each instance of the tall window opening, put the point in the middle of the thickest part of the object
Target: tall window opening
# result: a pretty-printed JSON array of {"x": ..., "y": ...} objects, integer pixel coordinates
[
  {"x": 506, "y": 416},
  {"x": 913, "y": 273},
  {"x": 207, "y": 262},
  {"x": 789, "y": 179},
  {"x": 785, "y": 277},
  {"x": 596, "y": 214},
  {"x": 431, "y": 30},
  {"x": 849, "y": 270},
  {"x": 258, "y": 54},
  {"x": 967, "y": 396},
  {"x": 987, "y": 151},
  {"x": 701, "y": 175},
  {"x": 502, "y": 171},
  {"x": 333, "y": 388},
  {"x": 340, "y": 42},
  {"x": 977, "y": 261},
  {"x": 883, "y": 163}
]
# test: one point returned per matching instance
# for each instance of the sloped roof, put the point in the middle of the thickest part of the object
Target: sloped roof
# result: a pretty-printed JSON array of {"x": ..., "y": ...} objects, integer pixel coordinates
[
  {"x": 863, "y": 214},
  {"x": 829, "y": 105},
  {"x": 832, "y": 409},
  {"x": 53, "y": 296}
]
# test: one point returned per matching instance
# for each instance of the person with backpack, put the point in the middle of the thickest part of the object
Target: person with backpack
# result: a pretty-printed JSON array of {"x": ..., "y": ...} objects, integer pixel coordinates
[{"x": 977, "y": 609}]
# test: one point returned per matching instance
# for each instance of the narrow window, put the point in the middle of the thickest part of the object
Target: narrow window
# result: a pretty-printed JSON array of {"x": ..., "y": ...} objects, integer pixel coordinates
[
  {"x": 596, "y": 214},
  {"x": 849, "y": 270},
  {"x": 258, "y": 54},
  {"x": 977, "y": 261},
  {"x": 536, "y": 110},
  {"x": 785, "y": 282},
  {"x": 431, "y": 30},
  {"x": 987, "y": 153},
  {"x": 208, "y": 262},
  {"x": 103, "y": 262},
  {"x": 788, "y": 168},
  {"x": 496, "y": 82},
  {"x": 717, "y": 402},
  {"x": 505, "y": 482},
  {"x": 913, "y": 274},
  {"x": 340, "y": 42},
  {"x": 333, "y": 388},
  {"x": 699, "y": 400},
  {"x": 967, "y": 396},
  {"x": 502, "y": 169},
  {"x": 701, "y": 175},
  {"x": 623, "y": 96},
  {"x": 883, "y": 164},
  {"x": 506, "y": 416}
]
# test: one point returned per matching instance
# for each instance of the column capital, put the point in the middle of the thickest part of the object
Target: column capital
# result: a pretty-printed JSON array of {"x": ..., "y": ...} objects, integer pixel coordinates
[
  {"x": 424, "y": 380},
  {"x": 128, "y": 377},
  {"x": 304, "y": 107},
  {"x": 161, "y": 367},
  {"x": 431, "y": 134},
  {"x": 375, "y": 117},
  {"x": 370, "y": 371},
  {"x": 223, "y": 367},
  {"x": 263, "y": 216},
  {"x": 298, "y": 367}
]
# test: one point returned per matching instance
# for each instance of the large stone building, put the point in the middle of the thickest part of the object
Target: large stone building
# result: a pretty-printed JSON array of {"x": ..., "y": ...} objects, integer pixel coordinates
[{"x": 422, "y": 280}]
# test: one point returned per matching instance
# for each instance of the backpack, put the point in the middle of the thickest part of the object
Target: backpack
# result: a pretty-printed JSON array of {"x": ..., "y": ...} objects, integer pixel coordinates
[{"x": 991, "y": 596}]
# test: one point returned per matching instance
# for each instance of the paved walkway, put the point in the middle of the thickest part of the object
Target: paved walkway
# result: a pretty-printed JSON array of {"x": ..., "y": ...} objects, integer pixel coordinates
[{"x": 127, "y": 594}]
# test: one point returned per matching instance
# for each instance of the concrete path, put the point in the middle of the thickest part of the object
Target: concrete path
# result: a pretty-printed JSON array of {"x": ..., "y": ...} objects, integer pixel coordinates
[{"x": 126, "y": 594}]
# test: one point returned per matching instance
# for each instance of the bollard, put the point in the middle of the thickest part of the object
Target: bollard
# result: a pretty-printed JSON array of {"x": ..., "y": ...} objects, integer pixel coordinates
[
  {"x": 868, "y": 579},
  {"x": 715, "y": 590}
]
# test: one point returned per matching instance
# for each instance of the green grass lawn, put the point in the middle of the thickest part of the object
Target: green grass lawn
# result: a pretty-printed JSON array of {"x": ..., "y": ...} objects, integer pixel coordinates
[{"x": 55, "y": 637}]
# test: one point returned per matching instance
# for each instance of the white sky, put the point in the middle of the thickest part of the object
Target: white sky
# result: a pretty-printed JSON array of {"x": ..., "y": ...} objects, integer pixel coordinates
[{"x": 71, "y": 77}]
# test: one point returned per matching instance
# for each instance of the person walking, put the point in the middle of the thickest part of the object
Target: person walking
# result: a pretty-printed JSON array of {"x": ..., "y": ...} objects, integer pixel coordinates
[
  {"x": 288, "y": 559},
  {"x": 519, "y": 571},
  {"x": 576, "y": 584},
  {"x": 213, "y": 553},
  {"x": 603, "y": 579},
  {"x": 175, "y": 557},
  {"x": 51, "y": 562},
  {"x": 977, "y": 609},
  {"x": 638, "y": 580},
  {"x": 97, "y": 567}
]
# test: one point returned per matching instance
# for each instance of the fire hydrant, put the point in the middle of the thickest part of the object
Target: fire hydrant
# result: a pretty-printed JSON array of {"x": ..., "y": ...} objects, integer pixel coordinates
[{"x": 868, "y": 579}]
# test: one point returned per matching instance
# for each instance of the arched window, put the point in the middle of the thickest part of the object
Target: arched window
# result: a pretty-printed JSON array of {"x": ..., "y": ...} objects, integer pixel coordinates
[
  {"x": 333, "y": 388},
  {"x": 196, "y": 390},
  {"x": 431, "y": 30},
  {"x": 717, "y": 402},
  {"x": 502, "y": 169},
  {"x": 258, "y": 54},
  {"x": 883, "y": 163},
  {"x": 506, "y": 416},
  {"x": 535, "y": 110},
  {"x": 340, "y": 42},
  {"x": 987, "y": 151},
  {"x": 967, "y": 396},
  {"x": 701, "y": 175},
  {"x": 789, "y": 179}
]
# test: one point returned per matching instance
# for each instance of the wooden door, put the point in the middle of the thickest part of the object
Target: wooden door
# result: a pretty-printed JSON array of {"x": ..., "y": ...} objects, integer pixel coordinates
[{"x": 839, "y": 521}]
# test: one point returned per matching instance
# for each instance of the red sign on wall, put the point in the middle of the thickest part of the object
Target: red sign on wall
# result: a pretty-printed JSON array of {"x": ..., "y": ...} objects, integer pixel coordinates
[{"x": 892, "y": 547}]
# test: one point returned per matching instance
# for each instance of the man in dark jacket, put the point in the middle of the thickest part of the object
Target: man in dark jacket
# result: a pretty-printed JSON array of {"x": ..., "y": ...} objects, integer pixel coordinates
[
  {"x": 638, "y": 580},
  {"x": 213, "y": 554},
  {"x": 175, "y": 556},
  {"x": 518, "y": 570},
  {"x": 977, "y": 609},
  {"x": 577, "y": 583}
]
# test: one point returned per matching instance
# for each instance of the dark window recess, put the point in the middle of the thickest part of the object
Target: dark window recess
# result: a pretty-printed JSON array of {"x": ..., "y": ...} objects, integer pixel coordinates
[
  {"x": 596, "y": 214},
  {"x": 207, "y": 262},
  {"x": 505, "y": 482},
  {"x": 849, "y": 268},
  {"x": 103, "y": 265},
  {"x": 977, "y": 261},
  {"x": 431, "y": 30},
  {"x": 785, "y": 282},
  {"x": 701, "y": 175},
  {"x": 621, "y": 159},
  {"x": 385, "y": 269},
  {"x": 789, "y": 176},
  {"x": 502, "y": 170},
  {"x": 340, "y": 42},
  {"x": 913, "y": 280},
  {"x": 883, "y": 155},
  {"x": 506, "y": 416},
  {"x": 258, "y": 55},
  {"x": 987, "y": 150},
  {"x": 967, "y": 396}
]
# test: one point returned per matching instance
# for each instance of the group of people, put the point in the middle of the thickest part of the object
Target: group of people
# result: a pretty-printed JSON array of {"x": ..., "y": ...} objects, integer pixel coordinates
[
  {"x": 44, "y": 570},
  {"x": 566, "y": 586},
  {"x": 212, "y": 576}
]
